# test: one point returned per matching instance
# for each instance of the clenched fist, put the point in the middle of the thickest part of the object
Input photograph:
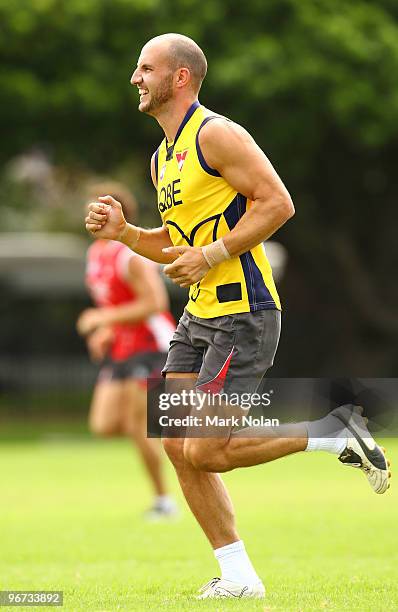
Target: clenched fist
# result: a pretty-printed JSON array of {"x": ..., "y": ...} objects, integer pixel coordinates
[
  {"x": 105, "y": 219},
  {"x": 189, "y": 267}
]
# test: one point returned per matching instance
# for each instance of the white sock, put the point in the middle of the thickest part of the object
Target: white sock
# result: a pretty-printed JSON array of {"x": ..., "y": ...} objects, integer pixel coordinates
[
  {"x": 327, "y": 435},
  {"x": 235, "y": 564},
  {"x": 164, "y": 501},
  {"x": 329, "y": 445}
]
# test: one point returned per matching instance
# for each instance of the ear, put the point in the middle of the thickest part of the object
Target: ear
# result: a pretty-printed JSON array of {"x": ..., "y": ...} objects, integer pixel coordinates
[{"x": 183, "y": 77}]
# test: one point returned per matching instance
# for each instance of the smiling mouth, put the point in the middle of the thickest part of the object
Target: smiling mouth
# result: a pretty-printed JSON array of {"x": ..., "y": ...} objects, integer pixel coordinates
[{"x": 143, "y": 93}]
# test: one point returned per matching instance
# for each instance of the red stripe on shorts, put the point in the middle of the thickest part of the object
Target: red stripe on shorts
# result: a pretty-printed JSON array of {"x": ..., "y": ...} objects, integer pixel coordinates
[{"x": 216, "y": 384}]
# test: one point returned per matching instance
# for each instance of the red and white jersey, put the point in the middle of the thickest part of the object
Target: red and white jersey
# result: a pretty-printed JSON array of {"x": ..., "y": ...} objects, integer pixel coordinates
[{"x": 106, "y": 279}]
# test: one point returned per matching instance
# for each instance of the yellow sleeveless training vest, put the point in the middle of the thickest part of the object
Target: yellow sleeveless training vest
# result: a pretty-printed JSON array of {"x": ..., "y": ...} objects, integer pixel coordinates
[{"x": 198, "y": 206}]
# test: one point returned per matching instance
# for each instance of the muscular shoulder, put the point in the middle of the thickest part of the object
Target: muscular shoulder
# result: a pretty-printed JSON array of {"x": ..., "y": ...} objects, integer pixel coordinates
[
  {"x": 222, "y": 140},
  {"x": 221, "y": 130}
]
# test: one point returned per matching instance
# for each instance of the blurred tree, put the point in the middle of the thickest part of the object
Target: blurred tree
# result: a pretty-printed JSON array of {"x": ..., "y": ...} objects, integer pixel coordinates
[
  {"x": 307, "y": 63},
  {"x": 313, "y": 80}
]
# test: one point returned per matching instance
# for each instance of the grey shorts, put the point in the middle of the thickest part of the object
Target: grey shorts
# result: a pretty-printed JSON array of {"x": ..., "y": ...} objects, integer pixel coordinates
[{"x": 231, "y": 353}]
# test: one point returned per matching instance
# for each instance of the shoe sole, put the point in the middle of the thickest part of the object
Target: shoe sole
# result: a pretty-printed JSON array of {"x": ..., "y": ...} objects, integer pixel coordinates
[{"x": 375, "y": 456}]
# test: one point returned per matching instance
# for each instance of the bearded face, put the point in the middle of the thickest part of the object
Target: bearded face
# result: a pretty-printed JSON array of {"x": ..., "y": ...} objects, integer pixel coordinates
[{"x": 153, "y": 95}]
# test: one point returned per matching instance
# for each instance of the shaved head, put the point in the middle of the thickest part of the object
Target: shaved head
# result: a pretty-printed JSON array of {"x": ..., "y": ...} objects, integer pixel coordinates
[{"x": 183, "y": 52}]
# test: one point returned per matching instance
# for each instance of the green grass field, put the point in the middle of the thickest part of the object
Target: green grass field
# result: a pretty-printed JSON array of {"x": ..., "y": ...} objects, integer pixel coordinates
[{"x": 70, "y": 520}]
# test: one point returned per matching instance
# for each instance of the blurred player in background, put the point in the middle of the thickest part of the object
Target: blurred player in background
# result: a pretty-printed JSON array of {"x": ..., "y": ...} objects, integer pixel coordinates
[{"x": 128, "y": 333}]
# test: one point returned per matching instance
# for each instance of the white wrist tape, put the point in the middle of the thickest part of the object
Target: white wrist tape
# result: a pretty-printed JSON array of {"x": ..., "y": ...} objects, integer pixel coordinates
[
  {"x": 130, "y": 235},
  {"x": 215, "y": 253}
]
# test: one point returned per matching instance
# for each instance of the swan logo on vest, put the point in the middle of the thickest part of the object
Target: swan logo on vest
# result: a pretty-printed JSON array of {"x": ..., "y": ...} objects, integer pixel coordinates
[
  {"x": 163, "y": 170},
  {"x": 181, "y": 156}
]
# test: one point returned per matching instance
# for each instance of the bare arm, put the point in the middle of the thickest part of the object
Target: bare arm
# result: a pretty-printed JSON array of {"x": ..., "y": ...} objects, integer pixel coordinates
[
  {"x": 150, "y": 243},
  {"x": 228, "y": 148},
  {"x": 150, "y": 291},
  {"x": 151, "y": 298}
]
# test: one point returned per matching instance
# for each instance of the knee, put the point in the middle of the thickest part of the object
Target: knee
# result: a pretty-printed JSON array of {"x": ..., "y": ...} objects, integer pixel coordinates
[
  {"x": 174, "y": 450},
  {"x": 104, "y": 429},
  {"x": 203, "y": 458}
]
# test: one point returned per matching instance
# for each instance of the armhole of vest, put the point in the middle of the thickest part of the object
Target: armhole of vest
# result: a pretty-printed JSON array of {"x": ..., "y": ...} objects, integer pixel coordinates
[
  {"x": 201, "y": 158},
  {"x": 157, "y": 165}
]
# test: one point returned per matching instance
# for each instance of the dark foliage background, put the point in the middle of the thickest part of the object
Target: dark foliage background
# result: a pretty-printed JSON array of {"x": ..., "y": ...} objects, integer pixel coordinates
[{"x": 315, "y": 82}]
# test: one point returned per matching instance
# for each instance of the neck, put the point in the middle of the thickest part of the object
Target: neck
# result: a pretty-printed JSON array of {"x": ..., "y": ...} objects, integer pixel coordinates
[{"x": 170, "y": 117}]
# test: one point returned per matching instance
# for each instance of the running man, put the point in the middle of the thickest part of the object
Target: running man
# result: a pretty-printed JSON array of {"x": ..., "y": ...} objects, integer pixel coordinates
[
  {"x": 128, "y": 332},
  {"x": 219, "y": 198}
]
